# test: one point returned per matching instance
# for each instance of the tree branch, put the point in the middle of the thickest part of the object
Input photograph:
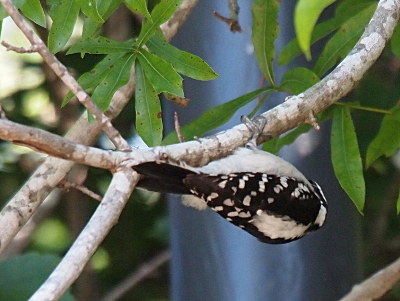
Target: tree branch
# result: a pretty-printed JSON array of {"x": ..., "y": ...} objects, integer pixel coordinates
[
  {"x": 21, "y": 207},
  {"x": 104, "y": 218},
  {"x": 377, "y": 285},
  {"x": 343, "y": 78},
  {"x": 65, "y": 76},
  {"x": 59, "y": 147}
]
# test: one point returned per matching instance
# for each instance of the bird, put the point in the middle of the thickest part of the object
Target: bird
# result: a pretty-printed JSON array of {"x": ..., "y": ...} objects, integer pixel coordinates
[{"x": 254, "y": 190}]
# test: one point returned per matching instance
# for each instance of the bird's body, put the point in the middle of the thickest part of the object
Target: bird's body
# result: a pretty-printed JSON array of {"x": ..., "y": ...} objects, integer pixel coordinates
[{"x": 254, "y": 190}]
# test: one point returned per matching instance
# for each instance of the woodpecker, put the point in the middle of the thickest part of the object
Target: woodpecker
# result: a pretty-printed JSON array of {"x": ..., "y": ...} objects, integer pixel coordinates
[{"x": 253, "y": 189}]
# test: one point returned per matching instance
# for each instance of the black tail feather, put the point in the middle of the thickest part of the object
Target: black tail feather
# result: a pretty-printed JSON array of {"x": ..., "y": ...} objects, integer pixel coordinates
[{"x": 163, "y": 177}]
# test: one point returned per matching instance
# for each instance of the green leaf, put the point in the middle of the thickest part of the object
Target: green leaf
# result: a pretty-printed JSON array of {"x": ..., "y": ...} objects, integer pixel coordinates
[
  {"x": 105, "y": 9},
  {"x": 306, "y": 15},
  {"x": 342, "y": 14},
  {"x": 346, "y": 157},
  {"x": 186, "y": 63},
  {"x": 298, "y": 80},
  {"x": 22, "y": 275},
  {"x": 101, "y": 45},
  {"x": 395, "y": 41},
  {"x": 90, "y": 9},
  {"x": 214, "y": 117},
  {"x": 95, "y": 76},
  {"x": 161, "y": 74},
  {"x": 387, "y": 141},
  {"x": 33, "y": 10},
  {"x": 138, "y": 6},
  {"x": 17, "y": 4},
  {"x": 343, "y": 40},
  {"x": 148, "y": 109},
  {"x": 160, "y": 14},
  {"x": 265, "y": 32},
  {"x": 117, "y": 76},
  {"x": 64, "y": 15}
]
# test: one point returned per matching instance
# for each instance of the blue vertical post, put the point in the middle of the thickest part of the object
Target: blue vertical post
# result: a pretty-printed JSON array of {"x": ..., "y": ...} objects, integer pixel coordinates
[{"x": 213, "y": 260}]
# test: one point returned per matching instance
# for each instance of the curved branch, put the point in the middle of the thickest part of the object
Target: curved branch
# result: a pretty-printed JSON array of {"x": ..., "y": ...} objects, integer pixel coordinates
[
  {"x": 105, "y": 217},
  {"x": 377, "y": 285},
  {"x": 343, "y": 78}
]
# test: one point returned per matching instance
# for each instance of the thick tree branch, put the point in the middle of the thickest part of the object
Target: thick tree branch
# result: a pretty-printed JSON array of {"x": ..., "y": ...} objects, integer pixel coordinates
[
  {"x": 377, "y": 285},
  {"x": 65, "y": 76},
  {"x": 56, "y": 146},
  {"x": 105, "y": 217},
  {"x": 343, "y": 78}
]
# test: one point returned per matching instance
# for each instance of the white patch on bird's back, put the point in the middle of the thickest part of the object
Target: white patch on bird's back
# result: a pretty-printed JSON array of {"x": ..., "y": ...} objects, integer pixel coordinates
[
  {"x": 264, "y": 177},
  {"x": 278, "y": 227},
  {"x": 247, "y": 200},
  {"x": 270, "y": 200},
  {"x": 242, "y": 184},
  {"x": 245, "y": 177},
  {"x": 234, "y": 189},
  {"x": 233, "y": 214},
  {"x": 253, "y": 193}
]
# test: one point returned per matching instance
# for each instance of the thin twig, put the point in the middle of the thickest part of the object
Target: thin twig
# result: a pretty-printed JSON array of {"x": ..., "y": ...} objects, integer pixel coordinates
[
  {"x": 178, "y": 128},
  {"x": 10, "y": 47},
  {"x": 234, "y": 25},
  {"x": 2, "y": 113},
  {"x": 67, "y": 185},
  {"x": 65, "y": 76},
  {"x": 144, "y": 271}
]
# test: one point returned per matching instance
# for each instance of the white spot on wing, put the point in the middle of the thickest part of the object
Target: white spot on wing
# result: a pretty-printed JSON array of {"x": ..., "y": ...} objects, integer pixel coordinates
[
  {"x": 218, "y": 208},
  {"x": 270, "y": 200},
  {"x": 244, "y": 214},
  {"x": 261, "y": 186},
  {"x": 247, "y": 200},
  {"x": 242, "y": 184},
  {"x": 233, "y": 214},
  {"x": 222, "y": 184},
  {"x": 228, "y": 202}
]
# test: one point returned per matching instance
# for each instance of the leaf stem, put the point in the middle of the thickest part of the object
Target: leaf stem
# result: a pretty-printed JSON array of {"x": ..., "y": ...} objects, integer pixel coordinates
[{"x": 356, "y": 107}]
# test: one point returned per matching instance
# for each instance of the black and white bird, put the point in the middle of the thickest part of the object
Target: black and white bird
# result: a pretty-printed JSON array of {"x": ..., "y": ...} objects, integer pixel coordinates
[{"x": 253, "y": 189}]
